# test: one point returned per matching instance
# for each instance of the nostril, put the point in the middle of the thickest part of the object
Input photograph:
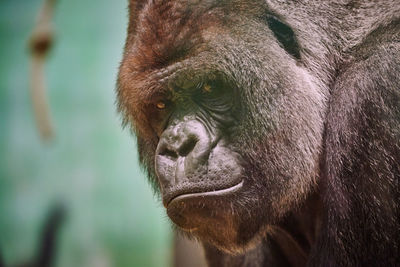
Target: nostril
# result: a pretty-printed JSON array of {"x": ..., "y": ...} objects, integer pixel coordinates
[
  {"x": 169, "y": 154},
  {"x": 187, "y": 147}
]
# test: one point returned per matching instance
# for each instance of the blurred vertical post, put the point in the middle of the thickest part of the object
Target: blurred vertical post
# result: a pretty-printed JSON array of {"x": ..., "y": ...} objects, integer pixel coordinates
[{"x": 39, "y": 44}]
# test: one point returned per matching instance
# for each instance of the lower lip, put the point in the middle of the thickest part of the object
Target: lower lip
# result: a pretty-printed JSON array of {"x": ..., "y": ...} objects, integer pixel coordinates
[{"x": 220, "y": 192}]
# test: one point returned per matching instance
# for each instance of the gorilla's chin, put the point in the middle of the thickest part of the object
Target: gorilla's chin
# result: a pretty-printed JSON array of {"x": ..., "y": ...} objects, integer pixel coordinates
[{"x": 210, "y": 216}]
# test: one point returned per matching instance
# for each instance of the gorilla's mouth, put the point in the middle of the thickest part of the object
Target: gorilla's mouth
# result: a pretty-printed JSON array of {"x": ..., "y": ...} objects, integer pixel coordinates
[
  {"x": 200, "y": 195},
  {"x": 216, "y": 172},
  {"x": 191, "y": 211}
]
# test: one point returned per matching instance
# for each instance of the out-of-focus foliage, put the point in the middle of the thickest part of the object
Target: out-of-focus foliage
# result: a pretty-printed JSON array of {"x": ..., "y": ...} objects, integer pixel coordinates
[{"x": 91, "y": 165}]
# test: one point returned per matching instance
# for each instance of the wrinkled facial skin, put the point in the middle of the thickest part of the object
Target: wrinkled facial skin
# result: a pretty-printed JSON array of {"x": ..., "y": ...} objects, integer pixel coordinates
[{"x": 228, "y": 122}]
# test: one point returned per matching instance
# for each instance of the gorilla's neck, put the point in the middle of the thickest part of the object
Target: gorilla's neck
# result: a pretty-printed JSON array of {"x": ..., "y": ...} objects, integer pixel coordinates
[
  {"x": 286, "y": 244},
  {"x": 296, "y": 235}
]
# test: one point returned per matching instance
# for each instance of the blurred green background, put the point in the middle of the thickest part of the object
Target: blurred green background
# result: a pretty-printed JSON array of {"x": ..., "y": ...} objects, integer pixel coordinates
[{"x": 91, "y": 165}]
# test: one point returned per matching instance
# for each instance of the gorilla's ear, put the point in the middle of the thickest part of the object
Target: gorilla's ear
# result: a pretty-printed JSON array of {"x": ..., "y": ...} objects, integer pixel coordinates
[{"x": 285, "y": 36}]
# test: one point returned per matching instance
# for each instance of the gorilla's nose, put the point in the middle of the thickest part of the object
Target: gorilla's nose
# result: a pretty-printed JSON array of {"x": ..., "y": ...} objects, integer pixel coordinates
[
  {"x": 179, "y": 145},
  {"x": 182, "y": 153},
  {"x": 188, "y": 138}
]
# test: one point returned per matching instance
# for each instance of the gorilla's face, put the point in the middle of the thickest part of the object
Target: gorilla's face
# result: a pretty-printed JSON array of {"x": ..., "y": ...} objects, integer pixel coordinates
[{"x": 229, "y": 123}]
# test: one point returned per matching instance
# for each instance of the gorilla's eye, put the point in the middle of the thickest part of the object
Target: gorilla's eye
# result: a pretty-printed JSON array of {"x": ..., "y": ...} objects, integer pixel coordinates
[
  {"x": 161, "y": 105},
  {"x": 212, "y": 89},
  {"x": 214, "y": 95},
  {"x": 207, "y": 88},
  {"x": 285, "y": 36}
]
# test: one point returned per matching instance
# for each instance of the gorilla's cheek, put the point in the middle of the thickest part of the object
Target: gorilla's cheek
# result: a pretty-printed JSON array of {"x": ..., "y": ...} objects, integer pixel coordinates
[{"x": 224, "y": 165}]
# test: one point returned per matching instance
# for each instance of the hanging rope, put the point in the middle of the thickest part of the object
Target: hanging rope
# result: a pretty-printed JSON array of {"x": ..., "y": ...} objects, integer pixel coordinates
[{"x": 39, "y": 44}]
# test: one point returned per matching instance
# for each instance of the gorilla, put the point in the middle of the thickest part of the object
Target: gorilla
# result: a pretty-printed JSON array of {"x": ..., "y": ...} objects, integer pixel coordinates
[{"x": 270, "y": 128}]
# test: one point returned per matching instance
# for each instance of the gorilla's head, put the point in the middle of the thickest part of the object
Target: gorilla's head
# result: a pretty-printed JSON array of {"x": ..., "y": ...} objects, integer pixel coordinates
[{"x": 228, "y": 120}]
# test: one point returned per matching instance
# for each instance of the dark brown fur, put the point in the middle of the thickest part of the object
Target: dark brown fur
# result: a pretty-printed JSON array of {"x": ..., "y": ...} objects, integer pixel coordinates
[{"x": 318, "y": 132}]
